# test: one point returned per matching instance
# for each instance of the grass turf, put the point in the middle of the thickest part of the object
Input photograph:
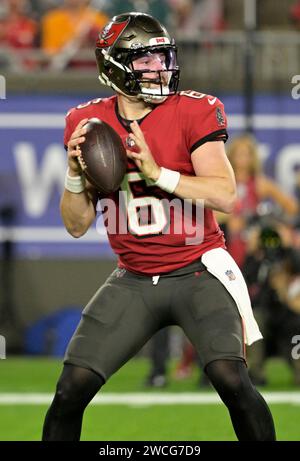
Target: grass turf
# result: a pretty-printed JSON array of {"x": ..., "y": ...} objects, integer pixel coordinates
[{"x": 117, "y": 422}]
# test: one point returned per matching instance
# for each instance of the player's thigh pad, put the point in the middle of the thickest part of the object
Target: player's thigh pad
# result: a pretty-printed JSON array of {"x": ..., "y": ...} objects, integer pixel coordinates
[
  {"x": 114, "y": 326},
  {"x": 210, "y": 318}
]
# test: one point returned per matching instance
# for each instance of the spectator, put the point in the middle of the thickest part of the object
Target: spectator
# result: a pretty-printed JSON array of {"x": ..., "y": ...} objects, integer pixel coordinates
[
  {"x": 17, "y": 29},
  {"x": 285, "y": 284},
  {"x": 67, "y": 29},
  {"x": 252, "y": 187},
  {"x": 272, "y": 273}
]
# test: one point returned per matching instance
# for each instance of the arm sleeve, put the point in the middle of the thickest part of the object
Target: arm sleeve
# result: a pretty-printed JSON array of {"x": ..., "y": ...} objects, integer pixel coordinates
[{"x": 206, "y": 121}]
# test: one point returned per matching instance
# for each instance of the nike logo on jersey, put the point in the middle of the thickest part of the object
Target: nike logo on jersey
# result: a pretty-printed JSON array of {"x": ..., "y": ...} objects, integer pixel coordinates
[{"x": 211, "y": 101}]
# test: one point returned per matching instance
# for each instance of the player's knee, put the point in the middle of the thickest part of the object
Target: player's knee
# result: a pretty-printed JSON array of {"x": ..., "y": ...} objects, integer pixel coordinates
[
  {"x": 235, "y": 396},
  {"x": 65, "y": 400},
  {"x": 229, "y": 390},
  {"x": 64, "y": 392},
  {"x": 232, "y": 383},
  {"x": 76, "y": 388}
]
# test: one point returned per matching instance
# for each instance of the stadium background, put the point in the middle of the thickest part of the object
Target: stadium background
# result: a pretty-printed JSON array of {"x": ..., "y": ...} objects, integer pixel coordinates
[{"x": 252, "y": 66}]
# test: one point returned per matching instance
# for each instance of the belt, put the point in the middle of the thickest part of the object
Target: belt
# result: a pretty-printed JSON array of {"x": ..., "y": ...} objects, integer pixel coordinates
[{"x": 196, "y": 266}]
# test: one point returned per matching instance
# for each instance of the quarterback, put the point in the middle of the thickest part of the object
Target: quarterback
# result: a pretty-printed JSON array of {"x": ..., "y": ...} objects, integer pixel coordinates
[{"x": 175, "y": 148}]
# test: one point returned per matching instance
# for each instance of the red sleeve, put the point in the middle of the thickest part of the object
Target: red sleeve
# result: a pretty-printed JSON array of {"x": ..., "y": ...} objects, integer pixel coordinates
[
  {"x": 68, "y": 127},
  {"x": 205, "y": 120}
]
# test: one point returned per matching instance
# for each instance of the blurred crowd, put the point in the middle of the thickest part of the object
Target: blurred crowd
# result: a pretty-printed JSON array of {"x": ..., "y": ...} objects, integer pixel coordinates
[{"x": 63, "y": 27}]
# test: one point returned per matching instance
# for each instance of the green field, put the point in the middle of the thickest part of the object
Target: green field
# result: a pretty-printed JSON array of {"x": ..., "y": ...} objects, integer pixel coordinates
[{"x": 134, "y": 421}]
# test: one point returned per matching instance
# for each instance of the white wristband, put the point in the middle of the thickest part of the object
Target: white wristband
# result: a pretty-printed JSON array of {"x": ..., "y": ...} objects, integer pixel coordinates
[
  {"x": 75, "y": 184},
  {"x": 168, "y": 180}
]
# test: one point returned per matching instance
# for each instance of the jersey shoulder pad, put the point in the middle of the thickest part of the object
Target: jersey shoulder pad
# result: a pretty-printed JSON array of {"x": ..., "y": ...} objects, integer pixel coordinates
[
  {"x": 93, "y": 108},
  {"x": 84, "y": 107}
]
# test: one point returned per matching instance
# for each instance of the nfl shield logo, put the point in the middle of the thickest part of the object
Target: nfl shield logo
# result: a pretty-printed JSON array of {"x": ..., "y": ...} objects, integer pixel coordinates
[{"x": 230, "y": 274}]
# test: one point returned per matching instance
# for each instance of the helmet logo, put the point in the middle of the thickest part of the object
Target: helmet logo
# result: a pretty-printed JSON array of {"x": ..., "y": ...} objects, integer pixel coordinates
[
  {"x": 110, "y": 33},
  {"x": 135, "y": 46}
]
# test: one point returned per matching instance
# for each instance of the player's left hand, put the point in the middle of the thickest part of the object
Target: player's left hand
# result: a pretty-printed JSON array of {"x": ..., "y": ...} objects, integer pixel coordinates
[{"x": 143, "y": 158}]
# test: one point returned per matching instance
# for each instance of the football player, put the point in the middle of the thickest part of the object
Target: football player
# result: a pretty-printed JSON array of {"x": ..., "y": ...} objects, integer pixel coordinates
[{"x": 166, "y": 275}]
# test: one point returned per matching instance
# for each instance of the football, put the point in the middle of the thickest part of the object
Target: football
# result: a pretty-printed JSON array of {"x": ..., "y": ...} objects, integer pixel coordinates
[{"x": 103, "y": 158}]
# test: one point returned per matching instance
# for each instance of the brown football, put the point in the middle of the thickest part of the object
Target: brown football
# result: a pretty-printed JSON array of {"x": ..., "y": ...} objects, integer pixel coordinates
[{"x": 104, "y": 157}]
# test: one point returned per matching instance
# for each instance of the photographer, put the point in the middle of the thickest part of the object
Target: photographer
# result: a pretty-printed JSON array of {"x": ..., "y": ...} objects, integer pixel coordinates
[{"x": 272, "y": 272}]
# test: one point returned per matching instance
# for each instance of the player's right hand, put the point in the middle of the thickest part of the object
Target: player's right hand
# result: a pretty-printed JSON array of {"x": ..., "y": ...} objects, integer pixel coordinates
[{"x": 74, "y": 150}]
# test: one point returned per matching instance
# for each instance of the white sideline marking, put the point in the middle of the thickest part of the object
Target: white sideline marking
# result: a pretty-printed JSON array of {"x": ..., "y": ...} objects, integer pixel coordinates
[
  {"x": 49, "y": 235},
  {"x": 144, "y": 399}
]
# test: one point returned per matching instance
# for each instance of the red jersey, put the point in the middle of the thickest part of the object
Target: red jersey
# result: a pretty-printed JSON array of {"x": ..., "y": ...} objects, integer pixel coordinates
[{"x": 154, "y": 243}]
